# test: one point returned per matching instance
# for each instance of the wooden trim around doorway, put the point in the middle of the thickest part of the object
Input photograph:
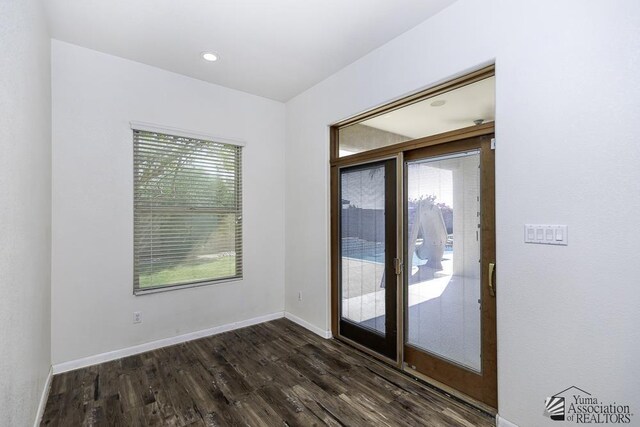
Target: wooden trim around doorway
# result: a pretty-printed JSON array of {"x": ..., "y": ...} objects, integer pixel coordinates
[
  {"x": 467, "y": 79},
  {"x": 434, "y": 145},
  {"x": 393, "y": 150},
  {"x": 460, "y": 137}
]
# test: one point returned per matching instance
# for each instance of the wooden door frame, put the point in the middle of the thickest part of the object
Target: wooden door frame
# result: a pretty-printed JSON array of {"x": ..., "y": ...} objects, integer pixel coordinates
[
  {"x": 371, "y": 156},
  {"x": 391, "y": 150},
  {"x": 335, "y": 275},
  {"x": 386, "y": 345},
  {"x": 397, "y": 151},
  {"x": 440, "y": 142},
  {"x": 480, "y": 386}
]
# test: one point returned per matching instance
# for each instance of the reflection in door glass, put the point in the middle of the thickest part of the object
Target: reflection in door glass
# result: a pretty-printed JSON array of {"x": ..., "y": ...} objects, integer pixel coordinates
[
  {"x": 363, "y": 247},
  {"x": 443, "y": 251}
]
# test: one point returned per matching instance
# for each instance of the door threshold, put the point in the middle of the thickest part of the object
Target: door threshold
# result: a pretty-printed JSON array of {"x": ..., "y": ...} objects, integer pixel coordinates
[
  {"x": 419, "y": 378},
  {"x": 449, "y": 391},
  {"x": 379, "y": 357}
]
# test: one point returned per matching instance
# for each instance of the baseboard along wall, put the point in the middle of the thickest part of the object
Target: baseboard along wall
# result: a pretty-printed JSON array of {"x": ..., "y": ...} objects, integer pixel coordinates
[
  {"x": 165, "y": 342},
  {"x": 43, "y": 398}
]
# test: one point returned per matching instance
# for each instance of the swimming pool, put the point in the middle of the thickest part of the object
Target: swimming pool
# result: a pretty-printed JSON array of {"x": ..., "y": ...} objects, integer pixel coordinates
[{"x": 355, "y": 248}]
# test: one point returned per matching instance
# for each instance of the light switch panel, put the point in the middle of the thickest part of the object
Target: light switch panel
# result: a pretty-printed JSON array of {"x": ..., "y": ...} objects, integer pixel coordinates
[{"x": 546, "y": 234}]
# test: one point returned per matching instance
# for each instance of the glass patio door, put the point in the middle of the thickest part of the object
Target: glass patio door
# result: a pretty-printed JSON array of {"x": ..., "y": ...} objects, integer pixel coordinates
[
  {"x": 450, "y": 263},
  {"x": 367, "y": 276}
]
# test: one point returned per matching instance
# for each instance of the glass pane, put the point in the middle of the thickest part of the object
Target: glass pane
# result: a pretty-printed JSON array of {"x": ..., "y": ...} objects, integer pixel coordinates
[
  {"x": 187, "y": 210},
  {"x": 184, "y": 247},
  {"x": 456, "y": 109},
  {"x": 443, "y": 241},
  {"x": 363, "y": 247}
]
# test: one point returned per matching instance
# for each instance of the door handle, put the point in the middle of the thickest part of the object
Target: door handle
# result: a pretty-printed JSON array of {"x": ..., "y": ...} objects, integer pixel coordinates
[{"x": 492, "y": 271}]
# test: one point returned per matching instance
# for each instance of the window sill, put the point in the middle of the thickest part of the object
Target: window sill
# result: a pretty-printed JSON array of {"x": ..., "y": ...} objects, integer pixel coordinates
[{"x": 139, "y": 292}]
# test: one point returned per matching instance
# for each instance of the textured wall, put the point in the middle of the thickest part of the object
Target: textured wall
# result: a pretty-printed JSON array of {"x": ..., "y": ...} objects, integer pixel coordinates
[
  {"x": 95, "y": 96},
  {"x": 25, "y": 210},
  {"x": 567, "y": 131}
]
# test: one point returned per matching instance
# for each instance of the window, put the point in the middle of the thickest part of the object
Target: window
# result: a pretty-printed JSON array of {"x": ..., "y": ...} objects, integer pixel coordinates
[
  {"x": 442, "y": 110},
  {"x": 187, "y": 211}
]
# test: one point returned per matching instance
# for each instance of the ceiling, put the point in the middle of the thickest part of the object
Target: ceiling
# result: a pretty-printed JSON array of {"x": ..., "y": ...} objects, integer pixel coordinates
[
  {"x": 274, "y": 48},
  {"x": 461, "y": 107}
]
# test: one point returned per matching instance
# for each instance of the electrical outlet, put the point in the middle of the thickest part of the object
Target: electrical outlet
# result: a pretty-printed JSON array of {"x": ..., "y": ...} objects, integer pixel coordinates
[
  {"x": 137, "y": 317},
  {"x": 299, "y": 296}
]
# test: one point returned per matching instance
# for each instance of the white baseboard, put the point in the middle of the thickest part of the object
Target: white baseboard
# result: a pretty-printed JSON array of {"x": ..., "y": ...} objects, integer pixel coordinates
[
  {"x": 43, "y": 398},
  {"x": 307, "y": 325},
  {"x": 503, "y": 422},
  {"x": 153, "y": 345}
]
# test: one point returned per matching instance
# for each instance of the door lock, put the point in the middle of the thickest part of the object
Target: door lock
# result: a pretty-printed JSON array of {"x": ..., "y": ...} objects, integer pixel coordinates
[{"x": 397, "y": 265}]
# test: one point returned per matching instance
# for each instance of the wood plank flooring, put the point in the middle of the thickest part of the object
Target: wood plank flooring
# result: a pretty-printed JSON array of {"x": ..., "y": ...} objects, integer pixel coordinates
[{"x": 273, "y": 374}]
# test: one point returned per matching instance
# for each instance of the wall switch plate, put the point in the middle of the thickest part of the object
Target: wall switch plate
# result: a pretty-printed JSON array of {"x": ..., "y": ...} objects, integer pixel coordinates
[
  {"x": 137, "y": 317},
  {"x": 546, "y": 234}
]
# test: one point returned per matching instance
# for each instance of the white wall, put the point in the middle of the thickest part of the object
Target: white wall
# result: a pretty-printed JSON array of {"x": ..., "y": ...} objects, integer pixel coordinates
[
  {"x": 25, "y": 210},
  {"x": 568, "y": 153},
  {"x": 94, "y": 98}
]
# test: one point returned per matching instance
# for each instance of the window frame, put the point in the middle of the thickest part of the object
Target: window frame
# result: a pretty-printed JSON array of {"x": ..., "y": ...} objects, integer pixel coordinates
[{"x": 239, "y": 211}]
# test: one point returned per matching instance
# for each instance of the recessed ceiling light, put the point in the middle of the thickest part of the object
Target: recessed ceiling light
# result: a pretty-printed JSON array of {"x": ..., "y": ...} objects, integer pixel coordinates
[
  {"x": 438, "y": 103},
  {"x": 209, "y": 56}
]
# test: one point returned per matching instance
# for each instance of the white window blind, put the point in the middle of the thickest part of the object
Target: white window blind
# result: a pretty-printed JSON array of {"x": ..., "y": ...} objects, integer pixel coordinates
[{"x": 187, "y": 211}]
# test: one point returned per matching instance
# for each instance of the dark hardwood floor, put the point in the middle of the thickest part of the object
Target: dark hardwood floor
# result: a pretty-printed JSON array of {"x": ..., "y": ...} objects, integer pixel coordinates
[{"x": 272, "y": 374}]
